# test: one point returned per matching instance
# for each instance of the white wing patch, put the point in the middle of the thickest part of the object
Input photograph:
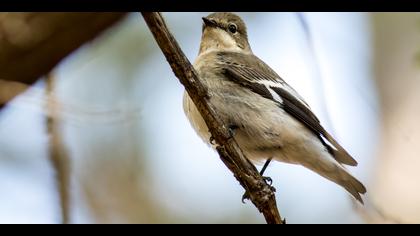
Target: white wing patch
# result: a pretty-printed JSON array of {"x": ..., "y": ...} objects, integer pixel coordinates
[
  {"x": 275, "y": 96},
  {"x": 283, "y": 85}
]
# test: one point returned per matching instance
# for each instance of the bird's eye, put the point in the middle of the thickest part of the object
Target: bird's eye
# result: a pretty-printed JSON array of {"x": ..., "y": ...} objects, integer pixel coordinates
[{"x": 232, "y": 28}]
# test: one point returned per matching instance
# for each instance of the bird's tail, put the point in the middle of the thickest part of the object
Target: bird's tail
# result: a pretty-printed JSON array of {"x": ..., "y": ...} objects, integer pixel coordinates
[
  {"x": 351, "y": 184},
  {"x": 335, "y": 172}
]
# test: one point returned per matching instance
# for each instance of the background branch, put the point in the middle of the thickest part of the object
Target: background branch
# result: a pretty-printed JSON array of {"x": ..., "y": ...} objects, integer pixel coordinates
[
  {"x": 261, "y": 194},
  {"x": 58, "y": 156},
  {"x": 31, "y": 44},
  {"x": 9, "y": 90}
]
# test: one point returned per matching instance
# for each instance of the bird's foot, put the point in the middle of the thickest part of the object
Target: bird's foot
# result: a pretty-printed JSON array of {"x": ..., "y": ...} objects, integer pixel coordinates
[
  {"x": 245, "y": 197},
  {"x": 267, "y": 180},
  {"x": 212, "y": 140}
]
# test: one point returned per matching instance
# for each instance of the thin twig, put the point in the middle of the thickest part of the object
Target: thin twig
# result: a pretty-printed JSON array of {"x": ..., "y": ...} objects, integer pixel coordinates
[
  {"x": 316, "y": 67},
  {"x": 57, "y": 153},
  {"x": 261, "y": 194}
]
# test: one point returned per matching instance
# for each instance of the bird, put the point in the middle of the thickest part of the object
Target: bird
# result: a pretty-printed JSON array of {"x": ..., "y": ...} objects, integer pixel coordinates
[{"x": 267, "y": 117}]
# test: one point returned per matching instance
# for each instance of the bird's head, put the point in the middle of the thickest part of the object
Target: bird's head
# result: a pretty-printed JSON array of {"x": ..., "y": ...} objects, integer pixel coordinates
[{"x": 224, "y": 31}]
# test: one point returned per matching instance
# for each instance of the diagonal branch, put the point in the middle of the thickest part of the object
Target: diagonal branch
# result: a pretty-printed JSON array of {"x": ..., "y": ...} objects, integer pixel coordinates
[{"x": 260, "y": 193}]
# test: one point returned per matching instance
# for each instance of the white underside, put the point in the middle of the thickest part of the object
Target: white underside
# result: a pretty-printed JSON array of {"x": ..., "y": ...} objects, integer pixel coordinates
[{"x": 280, "y": 137}]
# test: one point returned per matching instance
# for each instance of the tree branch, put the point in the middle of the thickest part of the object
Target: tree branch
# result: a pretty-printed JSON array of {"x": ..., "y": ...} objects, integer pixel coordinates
[
  {"x": 31, "y": 44},
  {"x": 261, "y": 194},
  {"x": 9, "y": 90}
]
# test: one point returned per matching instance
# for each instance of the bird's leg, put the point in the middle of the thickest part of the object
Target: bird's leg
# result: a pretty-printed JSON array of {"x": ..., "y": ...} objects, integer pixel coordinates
[{"x": 267, "y": 179}]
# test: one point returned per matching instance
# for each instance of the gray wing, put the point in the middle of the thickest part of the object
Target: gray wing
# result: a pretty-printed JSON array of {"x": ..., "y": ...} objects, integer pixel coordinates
[{"x": 261, "y": 79}]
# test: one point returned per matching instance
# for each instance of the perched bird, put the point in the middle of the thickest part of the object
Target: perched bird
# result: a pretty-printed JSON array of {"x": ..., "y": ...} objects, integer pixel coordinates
[{"x": 269, "y": 119}]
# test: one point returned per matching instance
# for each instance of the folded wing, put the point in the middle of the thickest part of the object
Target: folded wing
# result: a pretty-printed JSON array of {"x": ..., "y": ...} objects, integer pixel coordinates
[{"x": 262, "y": 80}]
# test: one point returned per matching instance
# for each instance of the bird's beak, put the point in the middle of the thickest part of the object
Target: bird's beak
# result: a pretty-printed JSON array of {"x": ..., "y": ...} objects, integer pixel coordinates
[{"x": 209, "y": 22}]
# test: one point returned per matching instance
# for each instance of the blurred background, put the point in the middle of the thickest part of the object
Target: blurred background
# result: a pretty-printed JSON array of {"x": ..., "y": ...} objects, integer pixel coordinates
[{"x": 112, "y": 113}]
